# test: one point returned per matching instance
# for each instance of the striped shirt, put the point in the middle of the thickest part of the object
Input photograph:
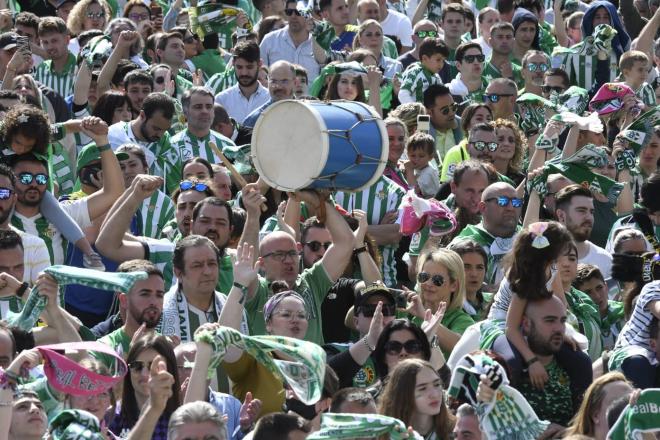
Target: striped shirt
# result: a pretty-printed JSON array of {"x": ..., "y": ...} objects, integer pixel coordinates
[
  {"x": 38, "y": 225},
  {"x": 636, "y": 330},
  {"x": 154, "y": 214},
  {"x": 35, "y": 255},
  {"x": 492, "y": 72},
  {"x": 62, "y": 168},
  {"x": 380, "y": 198},
  {"x": 581, "y": 69},
  {"x": 646, "y": 94},
  {"x": 8, "y": 304},
  {"x": 160, "y": 253},
  {"x": 189, "y": 146},
  {"x": 62, "y": 82},
  {"x": 417, "y": 78},
  {"x": 221, "y": 81}
]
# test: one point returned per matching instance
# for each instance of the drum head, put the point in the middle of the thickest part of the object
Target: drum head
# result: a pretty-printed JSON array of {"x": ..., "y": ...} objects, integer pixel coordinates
[{"x": 288, "y": 146}]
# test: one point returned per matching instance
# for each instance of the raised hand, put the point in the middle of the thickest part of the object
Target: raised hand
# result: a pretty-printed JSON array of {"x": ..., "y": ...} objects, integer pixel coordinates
[
  {"x": 244, "y": 271},
  {"x": 8, "y": 284},
  {"x": 363, "y": 225},
  {"x": 160, "y": 384},
  {"x": 250, "y": 410}
]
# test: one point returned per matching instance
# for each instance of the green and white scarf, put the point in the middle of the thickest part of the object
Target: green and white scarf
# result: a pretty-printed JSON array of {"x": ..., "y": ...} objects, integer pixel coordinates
[
  {"x": 75, "y": 424},
  {"x": 508, "y": 416},
  {"x": 601, "y": 39},
  {"x": 337, "y": 426},
  {"x": 352, "y": 67},
  {"x": 324, "y": 34},
  {"x": 639, "y": 133},
  {"x": 304, "y": 372},
  {"x": 642, "y": 417},
  {"x": 533, "y": 108},
  {"x": 212, "y": 18},
  {"x": 575, "y": 100},
  {"x": 65, "y": 275}
]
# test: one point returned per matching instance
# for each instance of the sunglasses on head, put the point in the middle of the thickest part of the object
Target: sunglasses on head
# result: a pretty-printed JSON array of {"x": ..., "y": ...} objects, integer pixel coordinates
[
  {"x": 437, "y": 280},
  {"x": 550, "y": 89},
  {"x": 481, "y": 146},
  {"x": 315, "y": 246},
  {"x": 5, "y": 193},
  {"x": 139, "y": 366},
  {"x": 472, "y": 58},
  {"x": 27, "y": 178},
  {"x": 504, "y": 201},
  {"x": 449, "y": 108},
  {"x": 368, "y": 310},
  {"x": 495, "y": 97},
  {"x": 412, "y": 346},
  {"x": 197, "y": 186},
  {"x": 533, "y": 67},
  {"x": 290, "y": 12},
  {"x": 424, "y": 34}
]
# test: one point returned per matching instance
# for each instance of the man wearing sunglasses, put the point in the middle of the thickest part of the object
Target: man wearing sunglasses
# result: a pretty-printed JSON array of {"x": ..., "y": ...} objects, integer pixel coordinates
[
  {"x": 482, "y": 142},
  {"x": 445, "y": 124},
  {"x": 500, "y": 209},
  {"x": 422, "y": 29},
  {"x": 500, "y": 97},
  {"x": 554, "y": 81},
  {"x": 468, "y": 86},
  {"x": 534, "y": 65}
]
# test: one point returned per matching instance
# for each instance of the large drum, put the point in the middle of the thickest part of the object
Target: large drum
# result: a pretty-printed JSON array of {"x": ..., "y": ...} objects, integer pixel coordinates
[{"x": 338, "y": 145}]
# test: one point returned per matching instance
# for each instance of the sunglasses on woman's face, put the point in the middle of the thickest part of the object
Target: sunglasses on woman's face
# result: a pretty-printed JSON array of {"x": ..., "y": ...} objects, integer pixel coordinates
[
  {"x": 437, "y": 280},
  {"x": 412, "y": 346},
  {"x": 541, "y": 67},
  {"x": 290, "y": 12},
  {"x": 472, "y": 58},
  {"x": 197, "y": 186}
]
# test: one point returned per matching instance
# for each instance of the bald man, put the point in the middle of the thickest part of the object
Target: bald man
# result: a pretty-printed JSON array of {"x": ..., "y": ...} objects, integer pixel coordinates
[
  {"x": 421, "y": 30},
  {"x": 368, "y": 9},
  {"x": 500, "y": 210},
  {"x": 281, "y": 85}
]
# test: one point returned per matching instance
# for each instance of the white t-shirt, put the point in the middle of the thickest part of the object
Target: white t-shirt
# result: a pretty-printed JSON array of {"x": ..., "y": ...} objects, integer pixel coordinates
[
  {"x": 600, "y": 258},
  {"x": 399, "y": 25},
  {"x": 428, "y": 181}
]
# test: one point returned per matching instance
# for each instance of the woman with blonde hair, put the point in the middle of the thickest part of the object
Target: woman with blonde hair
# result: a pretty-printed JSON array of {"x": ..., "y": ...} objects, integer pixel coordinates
[
  {"x": 512, "y": 146},
  {"x": 408, "y": 114},
  {"x": 397, "y": 134},
  {"x": 27, "y": 87},
  {"x": 88, "y": 14},
  {"x": 414, "y": 395},
  {"x": 370, "y": 36},
  {"x": 591, "y": 420}
]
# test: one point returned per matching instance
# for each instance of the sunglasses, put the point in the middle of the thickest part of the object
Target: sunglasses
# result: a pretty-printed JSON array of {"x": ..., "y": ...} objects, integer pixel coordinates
[
  {"x": 481, "y": 146},
  {"x": 290, "y": 12},
  {"x": 532, "y": 67},
  {"x": 495, "y": 97},
  {"x": 473, "y": 58},
  {"x": 412, "y": 346},
  {"x": 197, "y": 186},
  {"x": 549, "y": 89},
  {"x": 315, "y": 246},
  {"x": 437, "y": 280},
  {"x": 5, "y": 193},
  {"x": 451, "y": 108},
  {"x": 139, "y": 366},
  {"x": 368, "y": 310},
  {"x": 27, "y": 178},
  {"x": 424, "y": 34},
  {"x": 504, "y": 201},
  {"x": 93, "y": 15}
]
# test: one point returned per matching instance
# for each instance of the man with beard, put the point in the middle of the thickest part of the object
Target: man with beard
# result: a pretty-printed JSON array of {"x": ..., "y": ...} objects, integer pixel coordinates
[
  {"x": 281, "y": 83},
  {"x": 197, "y": 103},
  {"x": 469, "y": 86},
  {"x": 248, "y": 94},
  {"x": 498, "y": 64},
  {"x": 500, "y": 210},
  {"x": 500, "y": 96},
  {"x": 185, "y": 201},
  {"x": 445, "y": 124},
  {"x": 143, "y": 304},
  {"x": 535, "y": 64},
  {"x": 574, "y": 208},
  {"x": 59, "y": 70},
  {"x": 149, "y": 131}
]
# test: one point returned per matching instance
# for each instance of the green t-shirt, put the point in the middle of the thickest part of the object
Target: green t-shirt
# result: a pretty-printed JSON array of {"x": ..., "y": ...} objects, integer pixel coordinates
[
  {"x": 313, "y": 285},
  {"x": 554, "y": 401},
  {"x": 210, "y": 61},
  {"x": 492, "y": 72},
  {"x": 120, "y": 342}
]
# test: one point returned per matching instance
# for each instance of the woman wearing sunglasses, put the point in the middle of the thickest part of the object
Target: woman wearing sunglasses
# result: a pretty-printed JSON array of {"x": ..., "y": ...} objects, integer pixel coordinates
[
  {"x": 87, "y": 15},
  {"x": 135, "y": 394},
  {"x": 414, "y": 395}
]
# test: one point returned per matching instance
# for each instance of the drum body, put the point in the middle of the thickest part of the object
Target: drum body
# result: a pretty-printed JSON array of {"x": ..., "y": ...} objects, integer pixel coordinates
[{"x": 337, "y": 145}]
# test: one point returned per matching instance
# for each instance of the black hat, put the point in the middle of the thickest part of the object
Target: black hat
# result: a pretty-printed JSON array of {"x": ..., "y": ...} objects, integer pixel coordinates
[
  {"x": 373, "y": 289},
  {"x": 8, "y": 40}
]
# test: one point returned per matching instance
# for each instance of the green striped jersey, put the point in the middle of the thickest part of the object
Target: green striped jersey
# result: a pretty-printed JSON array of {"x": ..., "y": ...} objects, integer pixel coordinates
[
  {"x": 377, "y": 200},
  {"x": 646, "y": 94},
  {"x": 171, "y": 231},
  {"x": 492, "y": 72},
  {"x": 154, "y": 214},
  {"x": 160, "y": 253},
  {"x": 221, "y": 81},
  {"x": 62, "y": 82},
  {"x": 120, "y": 342},
  {"x": 581, "y": 69},
  {"x": 10, "y": 304},
  {"x": 189, "y": 146},
  {"x": 417, "y": 78},
  {"x": 62, "y": 168}
]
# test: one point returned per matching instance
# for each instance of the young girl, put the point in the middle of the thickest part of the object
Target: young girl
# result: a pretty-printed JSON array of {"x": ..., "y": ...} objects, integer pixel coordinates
[
  {"x": 25, "y": 129},
  {"x": 414, "y": 395}
]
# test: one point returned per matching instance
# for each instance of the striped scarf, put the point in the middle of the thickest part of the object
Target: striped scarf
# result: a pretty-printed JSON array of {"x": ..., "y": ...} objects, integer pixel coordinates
[
  {"x": 638, "y": 419},
  {"x": 336, "y": 426}
]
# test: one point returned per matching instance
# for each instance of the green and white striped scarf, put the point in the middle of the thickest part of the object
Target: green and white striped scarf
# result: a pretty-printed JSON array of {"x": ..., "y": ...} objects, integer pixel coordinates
[
  {"x": 337, "y": 426},
  {"x": 213, "y": 18},
  {"x": 352, "y": 67},
  {"x": 75, "y": 424},
  {"x": 324, "y": 34},
  {"x": 641, "y": 418},
  {"x": 601, "y": 39},
  {"x": 65, "y": 275},
  {"x": 304, "y": 372},
  {"x": 639, "y": 133}
]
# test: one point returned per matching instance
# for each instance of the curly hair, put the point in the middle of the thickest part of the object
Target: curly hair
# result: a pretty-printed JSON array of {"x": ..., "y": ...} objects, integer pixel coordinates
[
  {"x": 408, "y": 113},
  {"x": 28, "y": 121},
  {"x": 76, "y": 20},
  {"x": 521, "y": 143}
]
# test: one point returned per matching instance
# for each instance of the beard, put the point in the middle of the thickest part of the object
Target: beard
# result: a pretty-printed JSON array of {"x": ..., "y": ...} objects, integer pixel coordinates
[
  {"x": 144, "y": 134},
  {"x": 4, "y": 215},
  {"x": 144, "y": 318},
  {"x": 544, "y": 347},
  {"x": 582, "y": 232},
  {"x": 247, "y": 81}
]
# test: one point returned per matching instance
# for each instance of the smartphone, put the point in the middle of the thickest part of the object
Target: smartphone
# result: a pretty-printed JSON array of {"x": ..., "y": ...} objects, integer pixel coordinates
[
  {"x": 87, "y": 173},
  {"x": 400, "y": 298},
  {"x": 424, "y": 123}
]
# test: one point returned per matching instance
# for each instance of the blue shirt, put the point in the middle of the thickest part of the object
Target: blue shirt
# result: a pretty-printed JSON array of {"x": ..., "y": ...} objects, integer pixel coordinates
[{"x": 229, "y": 406}]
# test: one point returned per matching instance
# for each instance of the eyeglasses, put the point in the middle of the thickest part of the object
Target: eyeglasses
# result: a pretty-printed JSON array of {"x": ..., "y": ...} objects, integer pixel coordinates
[
  {"x": 290, "y": 12},
  {"x": 549, "y": 89},
  {"x": 424, "y": 34},
  {"x": 369, "y": 310},
  {"x": 315, "y": 246},
  {"x": 495, "y": 97},
  {"x": 139, "y": 366},
  {"x": 532, "y": 67},
  {"x": 279, "y": 82},
  {"x": 94, "y": 15},
  {"x": 504, "y": 201},
  {"x": 412, "y": 346},
  {"x": 27, "y": 178},
  {"x": 138, "y": 17},
  {"x": 472, "y": 58},
  {"x": 481, "y": 146},
  {"x": 196, "y": 186},
  {"x": 5, "y": 193},
  {"x": 290, "y": 315},
  {"x": 190, "y": 39},
  {"x": 451, "y": 108},
  {"x": 437, "y": 280},
  {"x": 282, "y": 255}
]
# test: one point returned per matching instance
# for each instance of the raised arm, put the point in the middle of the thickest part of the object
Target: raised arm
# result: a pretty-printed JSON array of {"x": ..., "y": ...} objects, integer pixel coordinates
[
  {"x": 60, "y": 328},
  {"x": 252, "y": 200},
  {"x": 368, "y": 267},
  {"x": 119, "y": 52},
  {"x": 646, "y": 36},
  {"x": 560, "y": 24},
  {"x": 81, "y": 86}
]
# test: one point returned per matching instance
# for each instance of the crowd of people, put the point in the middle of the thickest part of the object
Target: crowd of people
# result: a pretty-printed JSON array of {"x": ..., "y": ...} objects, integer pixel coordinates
[{"x": 497, "y": 278}]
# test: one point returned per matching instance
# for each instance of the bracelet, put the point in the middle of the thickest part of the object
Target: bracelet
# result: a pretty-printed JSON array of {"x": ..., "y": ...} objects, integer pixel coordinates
[
  {"x": 21, "y": 290},
  {"x": 371, "y": 349},
  {"x": 531, "y": 361},
  {"x": 244, "y": 291},
  {"x": 360, "y": 249},
  {"x": 104, "y": 147}
]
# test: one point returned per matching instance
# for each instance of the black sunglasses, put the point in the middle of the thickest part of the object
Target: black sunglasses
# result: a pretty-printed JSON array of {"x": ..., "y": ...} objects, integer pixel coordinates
[
  {"x": 449, "y": 108},
  {"x": 139, "y": 366},
  {"x": 368, "y": 310},
  {"x": 5, "y": 193},
  {"x": 504, "y": 201},
  {"x": 290, "y": 12},
  {"x": 315, "y": 246},
  {"x": 412, "y": 346},
  {"x": 548, "y": 89},
  {"x": 437, "y": 280},
  {"x": 481, "y": 146},
  {"x": 473, "y": 58},
  {"x": 495, "y": 97}
]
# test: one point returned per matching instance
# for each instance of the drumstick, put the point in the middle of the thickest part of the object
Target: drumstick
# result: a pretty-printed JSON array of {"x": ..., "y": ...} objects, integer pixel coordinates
[{"x": 240, "y": 181}]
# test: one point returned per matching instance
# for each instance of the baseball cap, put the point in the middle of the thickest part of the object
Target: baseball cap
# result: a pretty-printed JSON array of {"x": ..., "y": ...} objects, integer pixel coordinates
[
  {"x": 8, "y": 40},
  {"x": 374, "y": 289},
  {"x": 90, "y": 153}
]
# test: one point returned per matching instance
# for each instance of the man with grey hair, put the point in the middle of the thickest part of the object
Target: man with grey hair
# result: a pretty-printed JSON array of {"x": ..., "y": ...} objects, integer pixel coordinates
[
  {"x": 467, "y": 424},
  {"x": 196, "y": 421}
]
